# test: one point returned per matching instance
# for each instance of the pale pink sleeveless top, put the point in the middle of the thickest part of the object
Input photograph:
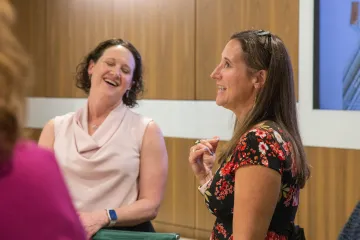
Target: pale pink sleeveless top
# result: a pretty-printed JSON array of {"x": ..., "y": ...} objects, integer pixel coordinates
[{"x": 101, "y": 170}]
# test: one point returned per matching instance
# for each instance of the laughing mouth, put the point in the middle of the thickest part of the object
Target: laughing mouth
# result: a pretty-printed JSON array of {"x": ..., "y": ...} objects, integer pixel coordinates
[
  {"x": 221, "y": 88},
  {"x": 111, "y": 82}
]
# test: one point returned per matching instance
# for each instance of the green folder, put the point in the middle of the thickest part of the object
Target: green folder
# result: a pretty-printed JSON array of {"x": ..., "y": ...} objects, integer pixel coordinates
[{"x": 107, "y": 234}]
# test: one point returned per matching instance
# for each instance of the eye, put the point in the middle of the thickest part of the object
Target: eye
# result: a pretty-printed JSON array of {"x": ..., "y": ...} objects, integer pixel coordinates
[
  {"x": 126, "y": 70},
  {"x": 111, "y": 64},
  {"x": 226, "y": 65}
]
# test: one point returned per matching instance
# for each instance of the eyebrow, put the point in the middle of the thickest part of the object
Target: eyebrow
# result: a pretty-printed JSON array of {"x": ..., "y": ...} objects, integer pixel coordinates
[{"x": 227, "y": 59}]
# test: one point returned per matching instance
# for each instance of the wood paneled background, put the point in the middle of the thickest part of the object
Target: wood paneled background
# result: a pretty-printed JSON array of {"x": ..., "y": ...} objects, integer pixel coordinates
[{"x": 181, "y": 42}]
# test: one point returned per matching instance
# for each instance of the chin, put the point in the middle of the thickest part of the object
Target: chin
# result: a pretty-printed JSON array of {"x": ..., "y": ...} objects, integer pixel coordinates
[
  {"x": 223, "y": 104},
  {"x": 220, "y": 103}
]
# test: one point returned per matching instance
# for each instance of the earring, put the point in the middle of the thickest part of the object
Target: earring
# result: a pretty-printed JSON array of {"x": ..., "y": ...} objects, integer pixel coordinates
[{"x": 127, "y": 93}]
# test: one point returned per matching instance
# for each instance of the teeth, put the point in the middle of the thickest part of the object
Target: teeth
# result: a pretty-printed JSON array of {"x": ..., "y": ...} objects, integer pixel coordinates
[
  {"x": 111, "y": 82},
  {"x": 221, "y": 88}
]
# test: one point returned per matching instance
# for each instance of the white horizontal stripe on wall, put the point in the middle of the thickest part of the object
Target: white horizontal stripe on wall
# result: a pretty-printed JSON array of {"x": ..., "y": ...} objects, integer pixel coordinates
[
  {"x": 198, "y": 119},
  {"x": 181, "y": 119}
]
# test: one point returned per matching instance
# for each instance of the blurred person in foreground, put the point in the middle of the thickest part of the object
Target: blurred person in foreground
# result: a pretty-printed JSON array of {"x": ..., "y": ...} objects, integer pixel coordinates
[{"x": 34, "y": 202}]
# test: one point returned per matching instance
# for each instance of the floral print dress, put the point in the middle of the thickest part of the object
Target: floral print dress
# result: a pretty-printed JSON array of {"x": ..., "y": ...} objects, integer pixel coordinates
[{"x": 264, "y": 145}]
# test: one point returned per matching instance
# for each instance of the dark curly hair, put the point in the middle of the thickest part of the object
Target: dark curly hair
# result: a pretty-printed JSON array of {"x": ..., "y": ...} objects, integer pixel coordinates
[{"x": 137, "y": 87}]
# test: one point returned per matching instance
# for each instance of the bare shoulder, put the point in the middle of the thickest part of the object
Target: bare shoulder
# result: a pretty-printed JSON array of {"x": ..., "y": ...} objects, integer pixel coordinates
[
  {"x": 153, "y": 129},
  {"x": 47, "y": 136},
  {"x": 51, "y": 128},
  {"x": 49, "y": 125},
  {"x": 153, "y": 140},
  {"x": 153, "y": 137}
]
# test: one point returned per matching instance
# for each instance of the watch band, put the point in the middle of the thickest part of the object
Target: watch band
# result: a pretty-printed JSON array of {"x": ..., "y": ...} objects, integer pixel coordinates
[{"x": 112, "y": 217}]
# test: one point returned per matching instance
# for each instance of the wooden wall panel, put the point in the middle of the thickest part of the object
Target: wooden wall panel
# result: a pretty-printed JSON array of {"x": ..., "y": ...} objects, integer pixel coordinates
[
  {"x": 180, "y": 194},
  {"x": 30, "y": 30},
  {"x": 73, "y": 28},
  {"x": 331, "y": 193},
  {"x": 216, "y": 21},
  {"x": 162, "y": 30}
]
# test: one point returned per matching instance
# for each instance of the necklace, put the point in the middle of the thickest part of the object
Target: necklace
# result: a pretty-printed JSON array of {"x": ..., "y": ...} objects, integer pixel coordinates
[{"x": 94, "y": 126}]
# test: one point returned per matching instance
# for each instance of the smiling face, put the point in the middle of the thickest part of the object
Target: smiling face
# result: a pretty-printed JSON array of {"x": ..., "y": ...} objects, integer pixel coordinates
[
  {"x": 111, "y": 75},
  {"x": 235, "y": 86}
]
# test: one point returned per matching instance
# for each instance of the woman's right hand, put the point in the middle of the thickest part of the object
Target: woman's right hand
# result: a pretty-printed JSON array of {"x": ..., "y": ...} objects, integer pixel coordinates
[{"x": 202, "y": 158}]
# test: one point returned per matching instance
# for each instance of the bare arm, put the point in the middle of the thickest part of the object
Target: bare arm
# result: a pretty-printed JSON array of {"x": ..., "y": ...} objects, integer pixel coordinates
[
  {"x": 47, "y": 136},
  {"x": 153, "y": 176},
  {"x": 255, "y": 201}
]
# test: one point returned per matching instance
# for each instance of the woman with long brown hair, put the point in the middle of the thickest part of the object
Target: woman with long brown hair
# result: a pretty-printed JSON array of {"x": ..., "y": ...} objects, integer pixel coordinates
[
  {"x": 255, "y": 192},
  {"x": 34, "y": 200}
]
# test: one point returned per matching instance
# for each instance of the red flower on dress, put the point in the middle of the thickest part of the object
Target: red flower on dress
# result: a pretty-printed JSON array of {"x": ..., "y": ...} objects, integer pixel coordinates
[
  {"x": 276, "y": 146},
  {"x": 243, "y": 146},
  {"x": 220, "y": 229},
  {"x": 274, "y": 236},
  {"x": 227, "y": 168},
  {"x": 263, "y": 148},
  {"x": 243, "y": 154},
  {"x": 223, "y": 188},
  {"x": 260, "y": 133},
  {"x": 265, "y": 162},
  {"x": 286, "y": 148},
  {"x": 281, "y": 155},
  {"x": 246, "y": 161}
]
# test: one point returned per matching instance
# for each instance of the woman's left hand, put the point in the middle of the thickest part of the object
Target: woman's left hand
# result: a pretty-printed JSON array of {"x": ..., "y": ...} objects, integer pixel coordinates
[{"x": 93, "y": 222}]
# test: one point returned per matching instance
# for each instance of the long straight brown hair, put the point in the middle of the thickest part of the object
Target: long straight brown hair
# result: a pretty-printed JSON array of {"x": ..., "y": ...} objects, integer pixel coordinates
[{"x": 276, "y": 100}]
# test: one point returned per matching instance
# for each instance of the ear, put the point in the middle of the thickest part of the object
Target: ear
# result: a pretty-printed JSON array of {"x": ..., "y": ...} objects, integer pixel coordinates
[
  {"x": 91, "y": 66},
  {"x": 259, "y": 79}
]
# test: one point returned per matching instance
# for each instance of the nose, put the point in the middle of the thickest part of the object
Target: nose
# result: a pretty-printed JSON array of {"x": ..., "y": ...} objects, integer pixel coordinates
[
  {"x": 216, "y": 73},
  {"x": 116, "y": 72}
]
